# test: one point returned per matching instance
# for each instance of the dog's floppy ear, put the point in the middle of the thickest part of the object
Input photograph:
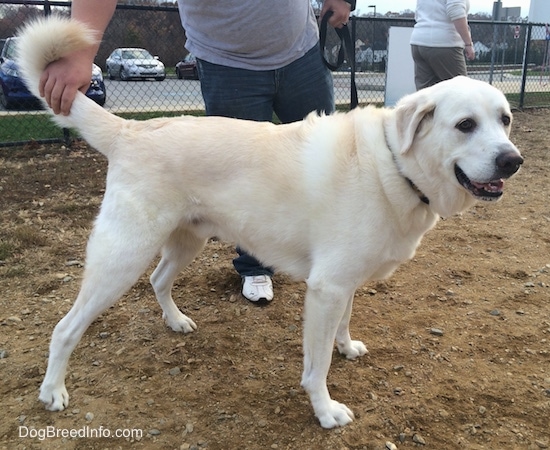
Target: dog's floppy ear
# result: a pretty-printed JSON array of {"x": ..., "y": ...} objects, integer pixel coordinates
[{"x": 409, "y": 114}]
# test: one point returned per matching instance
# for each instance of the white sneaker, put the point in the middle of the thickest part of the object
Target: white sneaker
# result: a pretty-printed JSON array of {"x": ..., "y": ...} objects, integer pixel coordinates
[{"x": 258, "y": 287}]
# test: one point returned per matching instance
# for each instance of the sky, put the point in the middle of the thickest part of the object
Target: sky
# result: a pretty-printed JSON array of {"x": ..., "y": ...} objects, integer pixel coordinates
[{"x": 476, "y": 6}]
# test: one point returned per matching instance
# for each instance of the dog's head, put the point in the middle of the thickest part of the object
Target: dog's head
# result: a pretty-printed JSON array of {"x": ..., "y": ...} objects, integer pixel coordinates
[{"x": 452, "y": 141}]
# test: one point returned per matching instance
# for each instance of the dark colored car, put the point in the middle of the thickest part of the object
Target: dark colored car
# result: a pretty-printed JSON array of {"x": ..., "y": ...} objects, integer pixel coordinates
[
  {"x": 187, "y": 68},
  {"x": 14, "y": 93}
]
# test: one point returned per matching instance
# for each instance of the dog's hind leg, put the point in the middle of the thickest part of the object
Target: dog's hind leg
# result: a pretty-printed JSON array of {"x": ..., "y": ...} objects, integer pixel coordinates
[
  {"x": 346, "y": 346},
  {"x": 114, "y": 263},
  {"x": 178, "y": 252},
  {"x": 326, "y": 305}
]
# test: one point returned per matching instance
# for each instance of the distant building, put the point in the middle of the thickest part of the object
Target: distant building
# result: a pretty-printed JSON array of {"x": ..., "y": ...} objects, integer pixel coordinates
[{"x": 510, "y": 14}]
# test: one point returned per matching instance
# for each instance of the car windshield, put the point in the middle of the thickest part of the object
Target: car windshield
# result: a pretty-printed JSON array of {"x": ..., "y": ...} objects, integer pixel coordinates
[{"x": 136, "y": 53}]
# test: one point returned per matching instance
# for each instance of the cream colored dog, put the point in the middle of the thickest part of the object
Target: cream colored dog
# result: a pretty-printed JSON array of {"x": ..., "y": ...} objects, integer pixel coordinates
[{"x": 333, "y": 200}]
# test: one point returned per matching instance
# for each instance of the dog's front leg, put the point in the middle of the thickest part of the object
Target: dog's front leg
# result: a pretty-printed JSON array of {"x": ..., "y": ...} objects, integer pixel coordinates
[{"x": 325, "y": 307}]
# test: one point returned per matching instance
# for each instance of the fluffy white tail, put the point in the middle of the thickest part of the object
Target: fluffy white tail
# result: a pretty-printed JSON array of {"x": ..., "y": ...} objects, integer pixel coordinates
[{"x": 49, "y": 39}]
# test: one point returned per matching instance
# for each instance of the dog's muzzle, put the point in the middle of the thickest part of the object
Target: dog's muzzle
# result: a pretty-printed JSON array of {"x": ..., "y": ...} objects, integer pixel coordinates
[{"x": 507, "y": 164}]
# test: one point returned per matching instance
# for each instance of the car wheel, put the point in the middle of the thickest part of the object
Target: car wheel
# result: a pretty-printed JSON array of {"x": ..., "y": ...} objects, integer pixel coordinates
[
  {"x": 160, "y": 78},
  {"x": 109, "y": 74},
  {"x": 123, "y": 74},
  {"x": 179, "y": 74}
]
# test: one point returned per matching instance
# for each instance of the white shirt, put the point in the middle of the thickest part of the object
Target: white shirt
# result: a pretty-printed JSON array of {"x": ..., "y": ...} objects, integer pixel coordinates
[{"x": 434, "y": 23}]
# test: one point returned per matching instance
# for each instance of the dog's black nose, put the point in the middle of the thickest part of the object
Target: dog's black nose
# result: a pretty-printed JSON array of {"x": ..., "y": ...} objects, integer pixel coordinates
[{"x": 508, "y": 163}]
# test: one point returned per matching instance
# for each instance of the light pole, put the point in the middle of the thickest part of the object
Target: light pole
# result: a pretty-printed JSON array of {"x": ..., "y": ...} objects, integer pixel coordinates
[{"x": 373, "y": 33}]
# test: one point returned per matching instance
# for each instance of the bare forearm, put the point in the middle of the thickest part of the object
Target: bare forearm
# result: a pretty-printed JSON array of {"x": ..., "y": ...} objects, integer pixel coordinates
[
  {"x": 96, "y": 14},
  {"x": 461, "y": 26}
]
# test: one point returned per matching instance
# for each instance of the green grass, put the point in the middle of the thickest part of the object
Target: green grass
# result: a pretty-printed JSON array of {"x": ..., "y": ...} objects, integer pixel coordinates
[
  {"x": 530, "y": 73},
  {"x": 36, "y": 127},
  {"x": 27, "y": 127},
  {"x": 531, "y": 99}
]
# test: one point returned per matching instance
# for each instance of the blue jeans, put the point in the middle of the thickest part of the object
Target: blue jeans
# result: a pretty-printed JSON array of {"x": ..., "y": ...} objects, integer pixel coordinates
[{"x": 291, "y": 92}]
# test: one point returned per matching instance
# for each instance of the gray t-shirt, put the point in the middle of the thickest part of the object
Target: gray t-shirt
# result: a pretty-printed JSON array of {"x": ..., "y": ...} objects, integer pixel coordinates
[{"x": 254, "y": 35}]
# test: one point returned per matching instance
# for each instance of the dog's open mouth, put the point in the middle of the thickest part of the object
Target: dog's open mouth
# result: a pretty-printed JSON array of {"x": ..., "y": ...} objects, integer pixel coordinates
[{"x": 482, "y": 191}]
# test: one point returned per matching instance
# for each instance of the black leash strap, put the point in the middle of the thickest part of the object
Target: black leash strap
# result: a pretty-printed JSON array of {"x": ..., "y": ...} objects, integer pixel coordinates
[{"x": 346, "y": 49}]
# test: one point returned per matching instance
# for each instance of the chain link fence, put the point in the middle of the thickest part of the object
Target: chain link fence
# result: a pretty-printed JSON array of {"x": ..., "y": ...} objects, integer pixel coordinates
[{"x": 517, "y": 64}]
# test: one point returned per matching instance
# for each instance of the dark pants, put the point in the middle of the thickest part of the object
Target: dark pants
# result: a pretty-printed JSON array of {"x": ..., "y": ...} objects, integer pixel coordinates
[{"x": 290, "y": 92}]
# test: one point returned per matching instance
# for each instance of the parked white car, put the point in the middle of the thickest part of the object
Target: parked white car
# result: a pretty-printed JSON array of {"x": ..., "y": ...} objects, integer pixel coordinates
[{"x": 132, "y": 63}]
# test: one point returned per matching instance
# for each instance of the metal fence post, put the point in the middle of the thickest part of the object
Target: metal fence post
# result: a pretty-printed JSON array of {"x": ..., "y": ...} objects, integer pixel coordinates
[
  {"x": 496, "y": 16},
  {"x": 352, "y": 66},
  {"x": 66, "y": 132},
  {"x": 525, "y": 65}
]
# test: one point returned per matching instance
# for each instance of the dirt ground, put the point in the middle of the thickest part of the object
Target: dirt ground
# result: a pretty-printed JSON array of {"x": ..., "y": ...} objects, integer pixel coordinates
[{"x": 458, "y": 337}]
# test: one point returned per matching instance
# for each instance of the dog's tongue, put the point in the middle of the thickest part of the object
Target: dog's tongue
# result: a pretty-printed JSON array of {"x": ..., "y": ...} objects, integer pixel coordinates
[{"x": 492, "y": 186}]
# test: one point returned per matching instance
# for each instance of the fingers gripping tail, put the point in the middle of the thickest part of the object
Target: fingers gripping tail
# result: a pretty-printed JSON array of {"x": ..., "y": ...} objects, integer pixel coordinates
[
  {"x": 48, "y": 39},
  {"x": 45, "y": 40}
]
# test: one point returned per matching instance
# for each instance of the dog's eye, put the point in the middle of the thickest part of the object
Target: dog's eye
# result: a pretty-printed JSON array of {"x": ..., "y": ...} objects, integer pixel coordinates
[
  {"x": 466, "y": 125},
  {"x": 506, "y": 120}
]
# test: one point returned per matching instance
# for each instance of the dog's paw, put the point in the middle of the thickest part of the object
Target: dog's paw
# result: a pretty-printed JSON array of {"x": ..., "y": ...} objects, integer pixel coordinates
[
  {"x": 180, "y": 323},
  {"x": 55, "y": 399},
  {"x": 352, "y": 349},
  {"x": 335, "y": 415}
]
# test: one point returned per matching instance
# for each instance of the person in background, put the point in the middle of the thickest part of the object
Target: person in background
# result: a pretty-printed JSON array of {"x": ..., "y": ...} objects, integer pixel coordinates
[
  {"x": 440, "y": 41},
  {"x": 255, "y": 58}
]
